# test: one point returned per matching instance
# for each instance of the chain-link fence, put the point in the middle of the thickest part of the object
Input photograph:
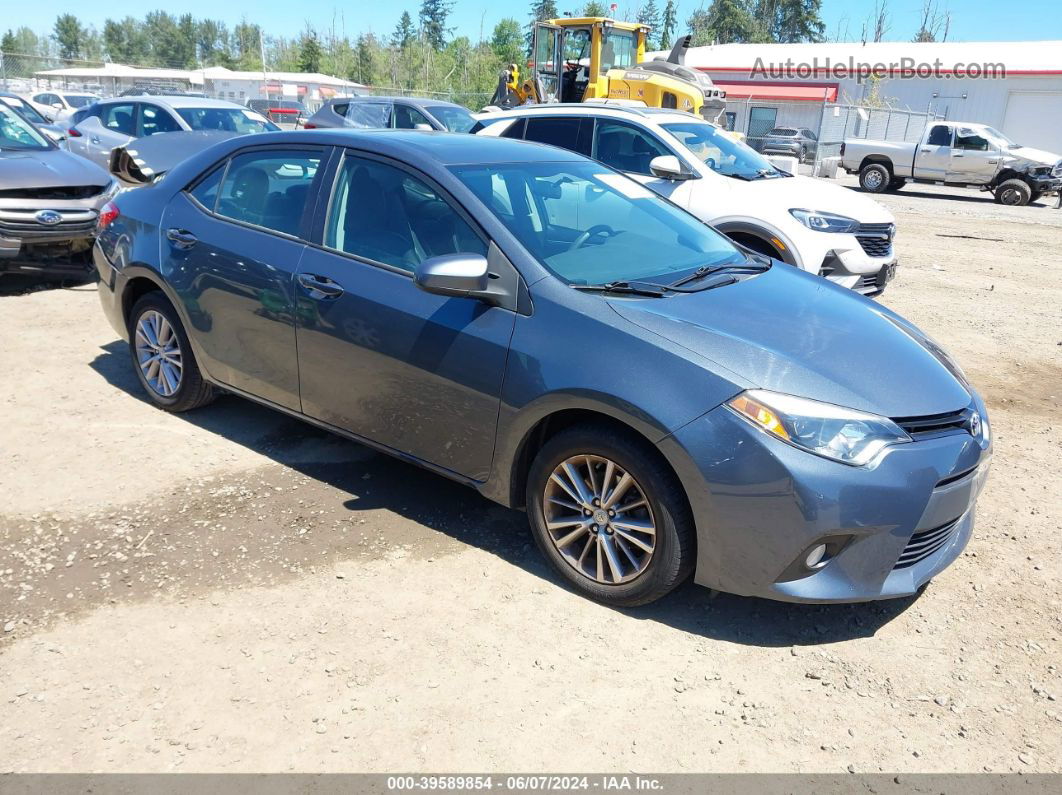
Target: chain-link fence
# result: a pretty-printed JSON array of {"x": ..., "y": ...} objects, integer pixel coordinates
[{"x": 812, "y": 131}]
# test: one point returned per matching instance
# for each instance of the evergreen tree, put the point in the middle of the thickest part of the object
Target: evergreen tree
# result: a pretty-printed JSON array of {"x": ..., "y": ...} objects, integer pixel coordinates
[
  {"x": 433, "y": 14},
  {"x": 667, "y": 27},
  {"x": 69, "y": 35},
  {"x": 595, "y": 9},
  {"x": 365, "y": 59},
  {"x": 789, "y": 20},
  {"x": 649, "y": 15},
  {"x": 310, "y": 52},
  {"x": 404, "y": 32},
  {"x": 541, "y": 10},
  {"x": 724, "y": 22}
]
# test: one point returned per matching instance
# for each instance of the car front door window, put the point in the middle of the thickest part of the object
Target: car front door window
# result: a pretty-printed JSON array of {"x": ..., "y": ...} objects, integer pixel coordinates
[
  {"x": 625, "y": 147},
  {"x": 407, "y": 118},
  {"x": 154, "y": 120}
]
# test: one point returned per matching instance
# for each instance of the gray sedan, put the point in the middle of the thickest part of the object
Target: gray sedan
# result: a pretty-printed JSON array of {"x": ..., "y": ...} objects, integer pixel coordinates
[
  {"x": 115, "y": 122},
  {"x": 545, "y": 330},
  {"x": 400, "y": 113}
]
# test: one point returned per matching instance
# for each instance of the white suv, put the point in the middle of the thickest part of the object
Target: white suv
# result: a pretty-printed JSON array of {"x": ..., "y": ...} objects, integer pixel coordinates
[{"x": 814, "y": 225}]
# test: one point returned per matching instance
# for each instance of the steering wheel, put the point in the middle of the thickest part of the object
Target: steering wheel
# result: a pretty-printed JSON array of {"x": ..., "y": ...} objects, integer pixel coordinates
[
  {"x": 710, "y": 162},
  {"x": 593, "y": 231}
]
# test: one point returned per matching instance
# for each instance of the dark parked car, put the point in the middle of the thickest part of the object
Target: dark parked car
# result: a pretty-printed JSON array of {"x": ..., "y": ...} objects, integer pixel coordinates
[
  {"x": 529, "y": 322},
  {"x": 798, "y": 142},
  {"x": 401, "y": 113}
]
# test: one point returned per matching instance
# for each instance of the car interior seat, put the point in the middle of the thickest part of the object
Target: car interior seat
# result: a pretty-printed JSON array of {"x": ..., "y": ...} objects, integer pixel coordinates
[{"x": 374, "y": 225}]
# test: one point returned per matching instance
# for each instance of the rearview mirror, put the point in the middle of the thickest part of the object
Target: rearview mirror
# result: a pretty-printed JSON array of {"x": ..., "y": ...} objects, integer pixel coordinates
[
  {"x": 669, "y": 167},
  {"x": 453, "y": 274}
]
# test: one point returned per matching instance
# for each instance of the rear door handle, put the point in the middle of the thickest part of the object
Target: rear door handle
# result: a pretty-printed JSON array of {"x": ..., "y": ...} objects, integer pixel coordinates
[
  {"x": 94, "y": 139},
  {"x": 181, "y": 238},
  {"x": 320, "y": 286}
]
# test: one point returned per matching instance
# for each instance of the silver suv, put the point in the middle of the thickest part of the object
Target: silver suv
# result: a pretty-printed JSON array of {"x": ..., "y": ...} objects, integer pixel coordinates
[{"x": 49, "y": 202}]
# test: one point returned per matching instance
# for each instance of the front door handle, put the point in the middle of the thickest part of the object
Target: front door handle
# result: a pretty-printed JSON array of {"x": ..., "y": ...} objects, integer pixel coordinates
[
  {"x": 320, "y": 286},
  {"x": 181, "y": 238},
  {"x": 94, "y": 139}
]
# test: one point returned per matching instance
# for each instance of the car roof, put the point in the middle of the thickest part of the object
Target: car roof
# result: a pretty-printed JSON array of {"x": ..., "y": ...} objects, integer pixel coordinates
[
  {"x": 443, "y": 148},
  {"x": 425, "y": 102},
  {"x": 658, "y": 115},
  {"x": 174, "y": 101}
]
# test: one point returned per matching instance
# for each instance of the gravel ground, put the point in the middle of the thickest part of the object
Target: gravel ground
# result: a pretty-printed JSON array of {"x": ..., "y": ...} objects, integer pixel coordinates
[{"x": 232, "y": 590}]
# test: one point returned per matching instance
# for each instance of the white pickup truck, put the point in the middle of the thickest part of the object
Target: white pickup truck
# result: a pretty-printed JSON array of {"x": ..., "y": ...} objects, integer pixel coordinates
[{"x": 956, "y": 153}]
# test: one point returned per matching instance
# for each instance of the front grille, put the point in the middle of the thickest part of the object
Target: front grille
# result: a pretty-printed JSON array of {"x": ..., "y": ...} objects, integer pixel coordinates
[
  {"x": 876, "y": 239},
  {"x": 935, "y": 424},
  {"x": 24, "y": 225},
  {"x": 67, "y": 192},
  {"x": 925, "y": 543}
]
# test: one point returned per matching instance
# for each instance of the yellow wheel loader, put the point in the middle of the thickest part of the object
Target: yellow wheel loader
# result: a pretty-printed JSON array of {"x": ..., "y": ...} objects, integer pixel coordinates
[{"x": 583, "y": 59}]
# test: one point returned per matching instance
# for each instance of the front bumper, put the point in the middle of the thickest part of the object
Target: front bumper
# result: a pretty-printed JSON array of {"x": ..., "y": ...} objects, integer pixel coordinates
[
  {"x": 1046, "y": 184},
  {"x": 60, "y": 249},
  {"x": 761, "y": 504}
]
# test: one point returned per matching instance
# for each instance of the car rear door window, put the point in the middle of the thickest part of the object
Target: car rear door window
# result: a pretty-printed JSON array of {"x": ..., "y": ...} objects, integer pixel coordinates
[
  {"x": 385, "y": 214},
  {"x": 154, "y": 120},
  {"x": 563, "y": 131},
  {"x": 268, "y": 188},
  {"x": 625, "y": 147},
  {"x": 340, "y": 109},
  {"x": 119, "y": 118}
]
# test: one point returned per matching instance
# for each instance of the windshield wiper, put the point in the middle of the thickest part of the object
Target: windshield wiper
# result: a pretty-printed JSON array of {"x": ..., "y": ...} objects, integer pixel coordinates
[
  {"x": 707, "y": 270},
  {"x": 630, "y": 288}
]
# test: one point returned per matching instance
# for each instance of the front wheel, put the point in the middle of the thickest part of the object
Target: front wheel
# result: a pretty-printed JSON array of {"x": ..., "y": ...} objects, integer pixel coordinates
[
  {"x": 1015, "y": 192},
  {"x": 896, "y": 183},
  {"x": 610, "y": 516},
  {"x": 162, "y": 356},
  {"x": 875, "y": 178}
]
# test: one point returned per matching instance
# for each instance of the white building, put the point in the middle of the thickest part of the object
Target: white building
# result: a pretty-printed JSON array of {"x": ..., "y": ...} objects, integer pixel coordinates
[
  {"x": 1013, "y": 86},
  {"x": 112, "y": 79}
]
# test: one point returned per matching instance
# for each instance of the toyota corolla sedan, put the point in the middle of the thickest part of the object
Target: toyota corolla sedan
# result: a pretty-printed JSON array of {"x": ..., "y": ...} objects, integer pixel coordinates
[{"x": 543, "y": 329}]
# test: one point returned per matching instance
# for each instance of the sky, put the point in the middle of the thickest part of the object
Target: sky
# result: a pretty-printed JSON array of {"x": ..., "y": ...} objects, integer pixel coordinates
[{"x": 972, "y": 20}]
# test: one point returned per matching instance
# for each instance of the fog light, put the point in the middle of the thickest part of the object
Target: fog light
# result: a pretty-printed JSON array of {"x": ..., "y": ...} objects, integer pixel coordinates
[{"x": 815, "y": 556}]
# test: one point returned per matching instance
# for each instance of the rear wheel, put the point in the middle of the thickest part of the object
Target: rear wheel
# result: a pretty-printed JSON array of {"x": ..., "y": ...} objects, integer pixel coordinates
[
  {"x": 875, "y": 178},
  {"x": 1015, "y": 192},
  {"x": 609, "y": 515},
  {"x": 163, "y": 358},
  {"x": 803, "y": 154}
]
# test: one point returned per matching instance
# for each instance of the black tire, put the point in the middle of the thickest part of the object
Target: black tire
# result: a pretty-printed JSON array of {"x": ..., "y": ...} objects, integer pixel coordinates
[
  {"x": 192, "y": 391},
  {"x": 896, "y": 183},
  {"x": 672, "y": 560},
  {"x": 875, "y": 178},
  {"x": 1035, "y": 196},
  {"x": 1013, "y": 192},
  {"x": 803, "y": 158}
]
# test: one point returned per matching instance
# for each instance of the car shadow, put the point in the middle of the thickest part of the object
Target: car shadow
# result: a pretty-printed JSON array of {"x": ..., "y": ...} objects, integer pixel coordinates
[
  {"x": 368, "y": 480},
  {"x": 960, "y": 195},
  {"x": 14, "y": 284}
]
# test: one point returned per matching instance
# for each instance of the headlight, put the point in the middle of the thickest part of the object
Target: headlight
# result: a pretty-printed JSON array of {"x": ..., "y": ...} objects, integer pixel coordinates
[
  {"x": 824, "y": 222},
  {"x": 845, "y": 435},
  {"x": 112, "y": 188}
]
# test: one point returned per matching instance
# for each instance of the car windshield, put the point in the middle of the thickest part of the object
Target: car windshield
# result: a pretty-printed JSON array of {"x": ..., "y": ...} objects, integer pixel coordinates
[
  {"x": 453, "y": 119},
  {"x": 721, "y": 152},
  {"x": 590, "y": 225},
  {"x": 241, "y": 120},
  {"x": 17, "y": 134},
  {"x": 79, "y": 100},
  {"x": 999, "y": 139},
  {"x": 25, "y": 109}
]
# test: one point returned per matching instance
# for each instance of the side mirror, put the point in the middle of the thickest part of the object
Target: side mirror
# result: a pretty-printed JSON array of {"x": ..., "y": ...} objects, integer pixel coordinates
[
  {"x": 423, "y": 126},
  {"x": 669, "y": 167},
  {"x": 57, "y": 105},
  {"x": 453, "y": 274}
]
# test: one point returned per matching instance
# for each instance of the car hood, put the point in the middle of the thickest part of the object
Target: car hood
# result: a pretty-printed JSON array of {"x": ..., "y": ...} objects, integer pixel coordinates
[
  {"x": 788, "y": 331},
  {"x": 1034, "y": 155},
  {"x": 807, "y": 193},
  {"x": 53, "y": 168}
]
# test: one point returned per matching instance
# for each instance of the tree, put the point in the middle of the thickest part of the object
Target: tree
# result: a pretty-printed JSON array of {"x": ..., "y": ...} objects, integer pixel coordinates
[
  {"x": 541, "y": 10},
  {"x": 667, "y": 27},
  {"x": 933, "y": 22},
  {"x": 594, "y": 9},
  {"x": 649, "y": 15},
  {"x": 789, "y": 20},
  {"x": 212, "y": 40},
  {"x": 724, "y": 22},
  {"x": 310, "y": 52},
  {"x": 506, "y": 42},
  {"x": 433, "y": 14},
  {"x": 69, "y": 35},
  {"x": 247, "y": 45},
  {"x": 365, "y": 59},
  {"x": 404, "y": 32}
]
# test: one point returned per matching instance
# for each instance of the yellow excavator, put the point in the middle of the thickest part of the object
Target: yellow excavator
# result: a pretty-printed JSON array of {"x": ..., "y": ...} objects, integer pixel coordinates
[{"x": 582, "y": 59}]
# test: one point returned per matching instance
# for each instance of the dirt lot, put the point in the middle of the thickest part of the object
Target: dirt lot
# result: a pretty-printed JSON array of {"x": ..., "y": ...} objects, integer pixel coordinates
[{"x": 233, "y": 590}]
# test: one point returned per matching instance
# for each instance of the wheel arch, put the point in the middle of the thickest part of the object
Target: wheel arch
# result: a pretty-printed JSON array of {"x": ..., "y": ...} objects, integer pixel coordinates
[
  {"x": 738, "y": 230},
  {"x": 877, "y": 160}
]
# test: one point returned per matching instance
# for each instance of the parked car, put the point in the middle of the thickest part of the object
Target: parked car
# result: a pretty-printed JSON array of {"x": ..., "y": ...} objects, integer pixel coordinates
[
  {"x": 49, "y": 200},
  {"x": 798, "y": 142},
  {"x": 542, "y": 328},
  {"x": 956, "y": 153},
  {"x": 402, "y": 113},
  {"x": 815, "y": 225},
  {"x": 33, "y": 116},
  {"x": 281, "y": 111},
  {"x": 56, "y": 106},
  {"x": 115, "y": 122}
]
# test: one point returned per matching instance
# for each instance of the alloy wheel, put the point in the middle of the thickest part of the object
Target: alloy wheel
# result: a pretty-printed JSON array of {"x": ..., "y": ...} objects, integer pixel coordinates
[
  {"x": 158, "y": 352},
  {"x": 599, "y": 519},
  {"x": 873, "y": 180}
]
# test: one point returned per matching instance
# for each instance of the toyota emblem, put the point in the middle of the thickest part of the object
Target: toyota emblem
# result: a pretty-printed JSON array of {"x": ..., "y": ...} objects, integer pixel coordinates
[
  {"x": 975, "y": 425},
  {"x": 48, "y": 217}
]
